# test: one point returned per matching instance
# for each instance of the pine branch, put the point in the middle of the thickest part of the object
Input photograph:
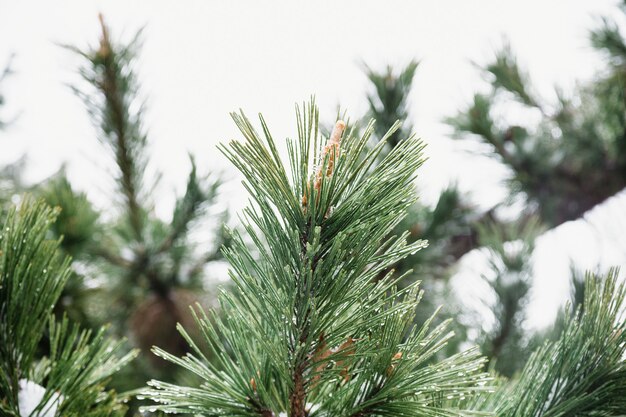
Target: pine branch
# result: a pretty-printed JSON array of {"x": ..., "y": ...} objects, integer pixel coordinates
[
  {"x": 113, "y": 104},
  {"x": 152, "y": 269},
  {"x": 609, "y": 38},
  {"x": 309, "y": 330},
  {"x": 189, "y": 207},
  {"x": 71, "y": 380},
  {"x": 80, "y": 366},
  {"x": 507, "y": 75},
  {"x": 581, "y": 373},
  {"x": 33, "y": 274},
  {"x": 391, "y": 101},
  {"x": 510, "y": 249},
  {"x": 77, "y": 221},
  {"x": 554, "y": 162},
  {"x": 111, "y": 108}
]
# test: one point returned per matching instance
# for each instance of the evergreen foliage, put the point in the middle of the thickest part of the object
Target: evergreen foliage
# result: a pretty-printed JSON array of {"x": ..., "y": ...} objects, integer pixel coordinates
[
  {"x": 554, "y": 162},
  {"x": 326, "y": 317},
  {"x": 310, "y": 331},
  {"x": 78, "y": 363},
  {"x": 390, "y": 101},
  {"x": 152, "y": 266},
  {"x": 567, "y": 162},
  {"x": 77, "y": 221},
  {"x": 509, "y": 250},
  {"x": 78, "y": 228},
  {"x": 583, "y": 372},
  {"x": 449, "y": 225}
]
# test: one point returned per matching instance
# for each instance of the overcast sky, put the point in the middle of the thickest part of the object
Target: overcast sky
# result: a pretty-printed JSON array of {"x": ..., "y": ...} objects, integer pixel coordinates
[{"x": 203, "y": 59}]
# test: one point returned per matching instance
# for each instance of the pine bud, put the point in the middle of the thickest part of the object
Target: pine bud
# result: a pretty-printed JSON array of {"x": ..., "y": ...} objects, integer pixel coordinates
[
  {"x": 105, "y": 43},
  {"x": 332, "y": 147},
  {"x": 304, "y": 197}
]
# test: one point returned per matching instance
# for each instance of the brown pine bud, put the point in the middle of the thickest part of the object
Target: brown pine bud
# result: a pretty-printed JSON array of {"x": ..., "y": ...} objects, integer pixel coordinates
[
  {"x": 304, "y": 196},
  {"x": 105, "y": 43},
  {"x": 333, "y": 147}
]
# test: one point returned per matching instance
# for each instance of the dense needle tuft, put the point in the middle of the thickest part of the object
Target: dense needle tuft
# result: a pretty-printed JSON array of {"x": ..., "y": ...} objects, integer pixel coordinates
[{"x": 311, "y": 328}]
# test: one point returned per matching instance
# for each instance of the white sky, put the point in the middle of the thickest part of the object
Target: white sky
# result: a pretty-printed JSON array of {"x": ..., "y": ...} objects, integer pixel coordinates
[{"x": 203, "y": 59}]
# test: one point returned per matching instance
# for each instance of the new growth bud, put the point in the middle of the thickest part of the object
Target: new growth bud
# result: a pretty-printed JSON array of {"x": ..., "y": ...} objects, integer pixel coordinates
[
  {"x": 332, "y": 149},
  {"x": 105, "y": 42}
]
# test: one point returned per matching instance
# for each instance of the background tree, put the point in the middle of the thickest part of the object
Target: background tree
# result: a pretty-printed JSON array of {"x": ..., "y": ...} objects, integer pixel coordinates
[
  {"x": 150, "y": 268},
  {"x": 554, "y": 163}
]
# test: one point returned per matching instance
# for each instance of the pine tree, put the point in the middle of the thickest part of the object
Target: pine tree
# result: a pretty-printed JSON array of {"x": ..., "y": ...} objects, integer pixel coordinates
[
  {"x": 389, "y": 101},
  {"x": 153, "y": 269},
  {"x": 70, "y": 379},
  {"x": 310, "y": 330}
]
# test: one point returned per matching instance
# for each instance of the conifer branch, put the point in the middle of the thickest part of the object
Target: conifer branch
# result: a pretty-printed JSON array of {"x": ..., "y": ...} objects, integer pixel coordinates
[
  {"x": 112, "y": 111},
  {"x": 581, "y": 373},
  {"x": 554, "y": 160},
  {"x": 71, "y": 379},
  {"x": 309, "y": 331}
]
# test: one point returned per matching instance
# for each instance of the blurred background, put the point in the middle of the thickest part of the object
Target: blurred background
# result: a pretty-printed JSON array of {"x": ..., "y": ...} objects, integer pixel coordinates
[{"x": 116, "y": 120}]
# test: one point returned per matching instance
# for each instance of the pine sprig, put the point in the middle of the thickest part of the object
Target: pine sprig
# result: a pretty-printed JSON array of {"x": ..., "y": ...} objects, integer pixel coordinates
[
  {"x": 508, "y": 76},
  {"x": 80, "y": 365},
  {"x": 75, "y": 372},
  {"x": 390, "y": 101},
  {"x": 310, "y": 331},
  {"x": 32, "y": 276},
  {"x": 582, "y": 373}
]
